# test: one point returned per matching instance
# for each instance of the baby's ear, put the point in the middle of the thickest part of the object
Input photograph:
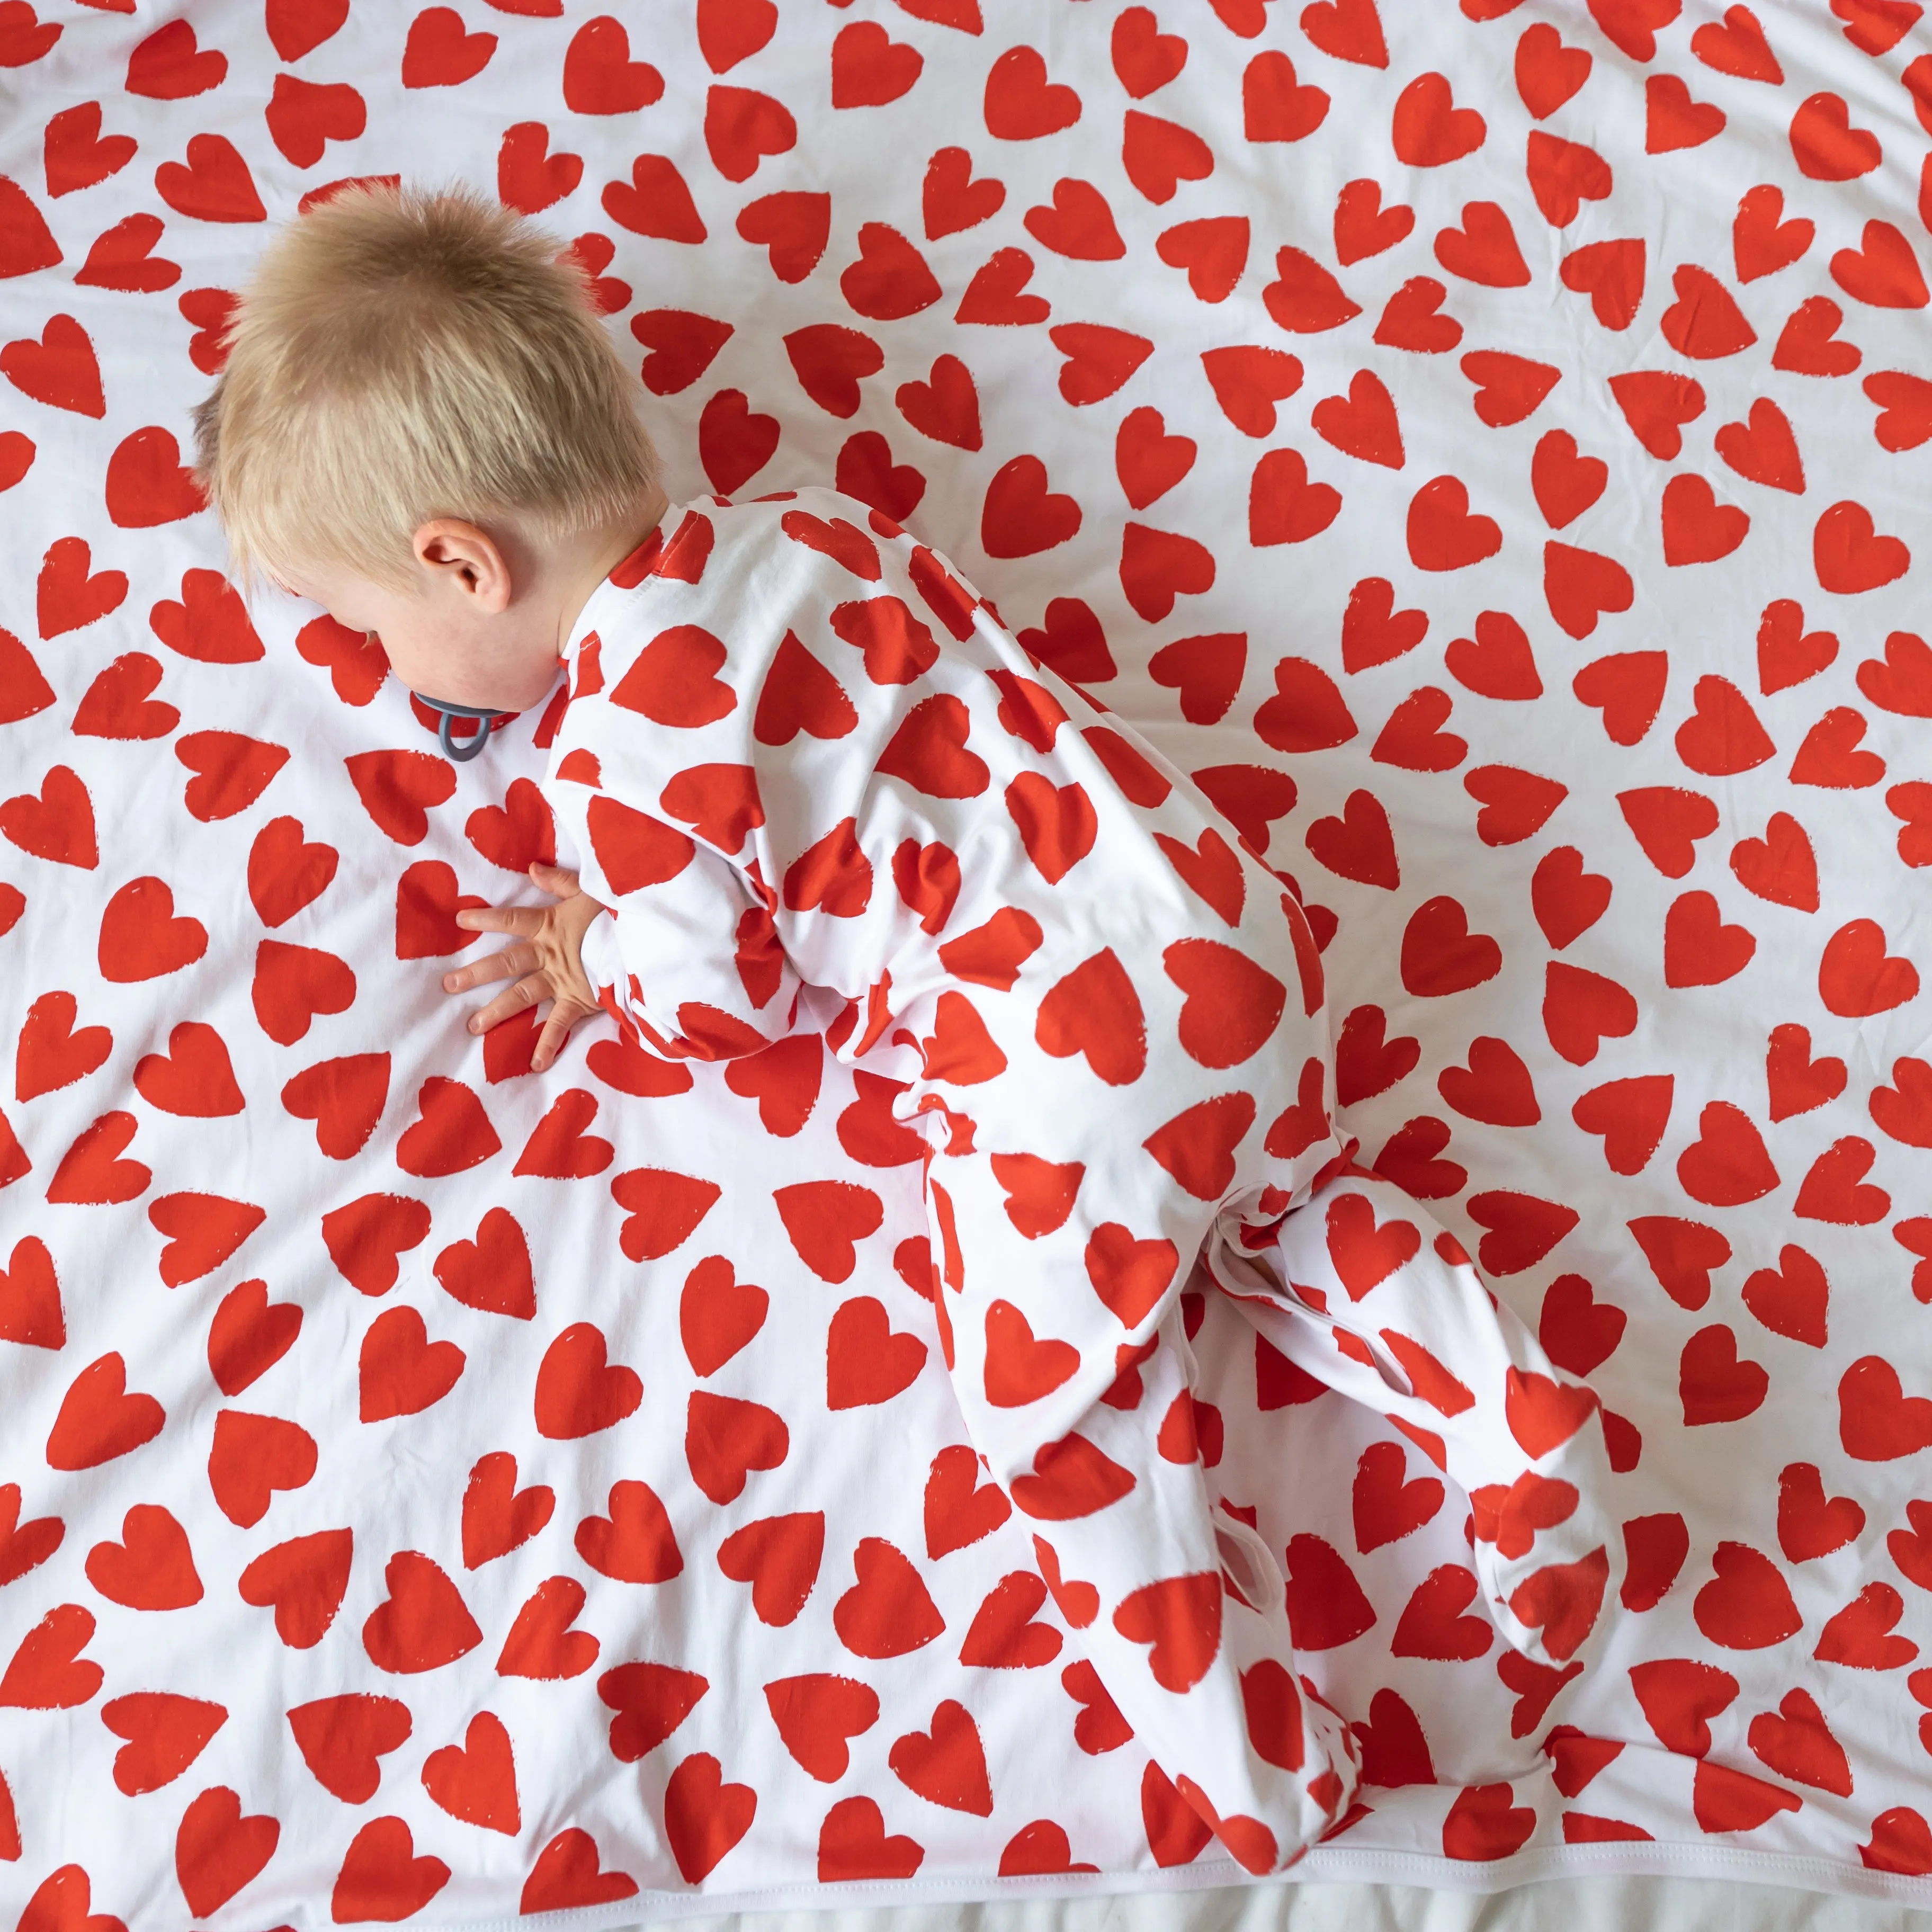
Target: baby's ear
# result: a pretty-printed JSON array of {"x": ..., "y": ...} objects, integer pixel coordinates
[{"x": 468, "y": 559}]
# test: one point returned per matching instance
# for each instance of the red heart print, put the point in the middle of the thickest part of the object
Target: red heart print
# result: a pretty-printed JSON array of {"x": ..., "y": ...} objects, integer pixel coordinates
[
  {"x": 1543, "y": 1414},
  {"x": 725, "y": 1439},
  {"x": 529, "y": 178},
  {"x": 1578, "y": 1332},
  {"x": 1410, "y": 320},
  {"x": 1857, "y": 978},
  {"x": 452, "y": 1132},
  {"x": 1826, "y": 146},
  {"x": 1672, "y": 120},
  {"x": 1429, "y": 129},
  {"x": 1326, "y": 1607},
  {"x": 77, "y": 153},
  {"x": 47, "y": 1672},
  {"x": 1020, "y": 517},
  {"x": 1631, "y": 1114},
  {"x": 303, "y": 1581},
  {"x": 1682, "y": 1254},
  {"x": 825, "y": 1220},
  {"x": 51, "y": 1052},
  {"x": 285, "y": 874},
  {"x": 817, "y": 1714},
  {"x": 1848, "y": 554},
  {"x": 1656, "y": 1547},
  {"x": 1158, "y": 566},
  {"x": 568, "y": 1873},
  {"x": 742, "y": 128},
  {"x": 1386, "y": 1507},
  {"x": 1364, "y": 1252},
  {"x": 704, "y": 1817},
  {"x": 959, "y": 1510},
  {"x": 169, "y": 65},
  {"x": 682, "y": 346},
  {"x": 401, "y": 1371},
  {"x": 217, "y": 1851},
  {"x": 1248, "y": 383},
  {"x": 1580, "y": 586},
  {"x": 1002, "y": 1636},
  {"x": 890, "y": 281},
  {"x": 1808, "y": 344},
  {"x": 1522, "y": 1229},
  {"x": 1747, "y": 1604},
  {"x": 59, "y": 370},
  {"x": 1284, "y": 505},
  {"x": 1431, "y": 1625},
  {"x": 779, "y": 1557},
  {"x": 30, "y": 1313},
  {"x": 1149, "y": 462},
  {"x": 1726, "y": 1165},
  {"x": 888, "y": 1611},
  {"x": 381, "y": 1877},
  {"x": 1548, "y": 73},
  {"x": 1780, "y": 867},
  {"x": 1810, "y": 1524},
  {"x": 1877, "y": 1421},
  {"x": 151, "y": 1567},
  {"x": 1798, "y": 1744},
  {"x": 558, "y": 1147},
  {"x": 578, "y": 1391},
  {"x": 1214, "y": 252},
  {"x": 1058, "y": 824},
  {"x": 439, "y": 52},
  {"x": 1565, "y": 483},
  {"x": 1697, "y": 529},
  {"x": 1667, "y": 821},
  {"x": 1700, "y": 949},
  {"x": 829, "y": 362},
  {"x": 1485, "y": 1822},
  {"x": 834, "y": 874},
  {"x": 1713, "y": 1384},
  {"x": 1830, "y": 1190},
  {"x": 1859, "y": 1635},
  {"x": 1791, "y": 1299},
  {"x": 1440, "y": 956},
  {"x": 1563, "y": 175},
  {"x": 165, "y": 1734},
  {"x": 799, "y": 694},
  {"x": 366, "y": 1237},
  {"x": 57, "y": 825},
  {"x": 1724, "y": 736},
  {"x": 1094, "y": 1011},
  {"x": 651, "y": 1700},
  {"x": 541, "y": 1643},
  {"x": 946, "y": 1766},
  {"x": 1275, "y": 106},
  {"x": 1679, "y": 1696},
  {"x": 1798, "y": 1083},
  {"x": 1020, "y": 1369},
  {"x": 99, "y": 1419},
  {"x": 865, "y": 1363},
  {"x": 497, "y": 1516},
  {"x": 1484, "y": 249},
  {"x": 423, "y": 1623},
  {"x": 215, "y": 184},
  {"x": 476, "y": 1780},
  {"x": 1508, "y": 388},
  {"x": 253, "y": 1456},
  {"x": 29, "y": 244},
  {"x": 1567, "y": 900}
]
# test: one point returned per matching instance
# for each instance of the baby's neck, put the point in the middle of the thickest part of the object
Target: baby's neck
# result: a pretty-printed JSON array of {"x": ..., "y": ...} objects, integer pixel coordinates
[{"x": 585, "y": 557}]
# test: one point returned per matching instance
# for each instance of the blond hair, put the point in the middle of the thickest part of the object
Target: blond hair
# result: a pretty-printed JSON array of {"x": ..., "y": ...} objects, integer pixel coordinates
[{"x": 400, "y": 356}]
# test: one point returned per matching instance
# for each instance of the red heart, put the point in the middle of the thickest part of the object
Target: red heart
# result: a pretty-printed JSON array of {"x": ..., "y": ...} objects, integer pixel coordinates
[
  {"x": 1275, "y": 106},
  {"x": 122, "y": 258},
  {"x": 1682, "y": 1254},
  {"x": 1248, "y": 383},
  {"x": 254, "y": 1456},
  {"x": 1856, "y": 977},
  {"x": 451, "y": 1133},
  {"x": 815, "y": 1716},
  {"x": 541, "y": 1643},
  {"x": 47, "y": 1672},
  {"x": 291, "y": 985},
  {"x": 398, "y": 788},
  {"x": 725, "y": 1439},
  {"x": 248, "y": 1336},
  {"x": 381, "y": 1877},
  {"x": 1714, "y": 1385},
  {"x": 1440, "y": 956},
  {"x": 1326, "y": 1607},
  {"x": 1018, "y": 1369},
  {"x": 1667, "y": 821},
  {"x": 1002, "y": 1636},
  {"x": 423, "y": 1623},
  {"x": 733, "y": 443},
  {"x": 151, "y": 1567},
  {"x": 1410, "y": 319},
  {"x": 1543, "y": 1414},
  {"x": 1522, "y": 1229},
  {"x": 1020, "y": 516},
  {"x": 1567, "y": 900},
  {"x": 77, "y": 153},
  {"x": 51, "y": 1054},
  {"x": 1697, "y": 529},
  {"x": 1284, "y": 505},
  {"x": 1798, "y": 1744},
  {"x": 1485, "y": 1822},
  {"x": 215, "y": 184},
  {"x": 599, "y": 76},
  {"x": 303, "y": 1581},
  {"x": 829, "y": 362},
  {"x": 57, "y": 825},
  {"x": 59, "y": 370},
  {"x": 1700, "y": 949},
  {"x": 704, "y": 1817},
  {"x": 1386, "y": 1507},
  {"x": 1580, "y": 586},
  {"x": 1859, "y": 1634},
  {"x": 341, "y": 1739},
  {"x": 1631, "y": 1114},
  {"x": 1829, "y": 757},
  {"x": 1726, "y": 1165},
  {"x": 1213, "y": 251},
  {"x": 1548, "y": 73},
  {"x": 947, "y": 1764},
  {"x": 1810, "y": 1524},
  {"x": 825, "y": 1220},
  {"x": 890, "y": 281},
  {"x": 286, "y": 874},
  {"x": 1656, "y": 1547},
  {"x": 1484, "y": 249},
  {"x": 682, "y": 345},
  {"x": 888, "y": 1611},
  {"x": 743, "y": 126},
  {"x": 1431, "y": 1625},
  {"x": 217, "y": 1851},
  {"x": 1850, "y": 557},
  {"x": 1157, "y": 566},
  {"x": 166, "y": 1733},
  {"x": 569, "y": 1874},
  {"x": 1442, "y": 533},
  {"x": 1747, "y": 1604},
  {"x": 31, "y": 1316},
  {"x": 1830, "y": 1190},
  {"x": 1365, "y": 1253},
  {"x": 1877, "y": 1421},
  {"x": 1565, "y": 484},
  {"x": 1578, "y": 1333},
  {"x": 799, "y": 694},
  {"x": 497, "y": 1517},
  {"x": 1094, "y": 1011},
  {"x": 578, "y": 1392},
  {"x": 476, "y": 1780},
  {"x": 959, "y": 1510},
  {"x": 865, "y": 1363},
  {"x": 1781, "y": 866},
  {"x": 1580, "y": 1009},
  {"x": 1429, "y": 129},
  {"x": 402, "y": 1372},
  {"x": 1679, "y": 1696},
  {"x": 558, "y": 1147},
  {"x": 651, "y": 1701},
  {"x": 1158, "y": 155},
  {"x": 99, "y": 1419},
  {"x": 779, "y": 1557},
  {"x": 1563, "y": 175}
]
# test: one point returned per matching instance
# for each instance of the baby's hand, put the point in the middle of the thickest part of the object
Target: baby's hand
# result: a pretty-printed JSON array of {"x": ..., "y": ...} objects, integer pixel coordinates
[{"x": 548, "y": 965}]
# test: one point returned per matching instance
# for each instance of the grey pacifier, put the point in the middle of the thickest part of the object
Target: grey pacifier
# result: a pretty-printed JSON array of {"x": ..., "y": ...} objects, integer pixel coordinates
[{"x": 450, "y": 715}]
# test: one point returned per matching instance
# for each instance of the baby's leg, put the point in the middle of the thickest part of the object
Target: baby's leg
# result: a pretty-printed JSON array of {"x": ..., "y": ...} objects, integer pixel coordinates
[{"x": 1383, "y": 1305}]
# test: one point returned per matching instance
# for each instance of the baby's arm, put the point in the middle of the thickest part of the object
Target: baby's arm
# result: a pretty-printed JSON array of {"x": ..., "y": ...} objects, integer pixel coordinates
[{"x": 547, "y": 964}]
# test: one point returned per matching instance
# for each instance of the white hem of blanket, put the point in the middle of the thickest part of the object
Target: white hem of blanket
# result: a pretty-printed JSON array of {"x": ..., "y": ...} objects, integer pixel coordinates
[{"x": 1325, "y": 1864}]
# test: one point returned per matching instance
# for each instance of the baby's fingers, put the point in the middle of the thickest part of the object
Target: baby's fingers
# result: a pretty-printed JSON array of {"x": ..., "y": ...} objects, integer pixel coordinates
[
  {"x": 512, "y": 960},
  {"x": 554, "y": 880},
  {"x": 526, "y": 992},
  {"x": 522, "y": 920}
]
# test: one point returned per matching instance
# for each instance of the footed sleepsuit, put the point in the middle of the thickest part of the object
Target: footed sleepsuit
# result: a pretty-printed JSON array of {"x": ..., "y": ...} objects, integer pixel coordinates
[{"x": 820, "y": 785}]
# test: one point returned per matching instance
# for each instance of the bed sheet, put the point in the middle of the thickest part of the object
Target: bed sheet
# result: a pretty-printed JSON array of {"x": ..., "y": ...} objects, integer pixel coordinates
[{"x": 1481, "y": 444}]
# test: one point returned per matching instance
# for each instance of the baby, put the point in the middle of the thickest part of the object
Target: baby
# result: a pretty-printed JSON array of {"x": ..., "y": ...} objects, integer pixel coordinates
[{"x": 821, "y": 799}]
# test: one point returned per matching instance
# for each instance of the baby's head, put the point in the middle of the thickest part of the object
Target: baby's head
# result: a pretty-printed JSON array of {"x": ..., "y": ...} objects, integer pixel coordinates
[{"x": 423, "y": 426}]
